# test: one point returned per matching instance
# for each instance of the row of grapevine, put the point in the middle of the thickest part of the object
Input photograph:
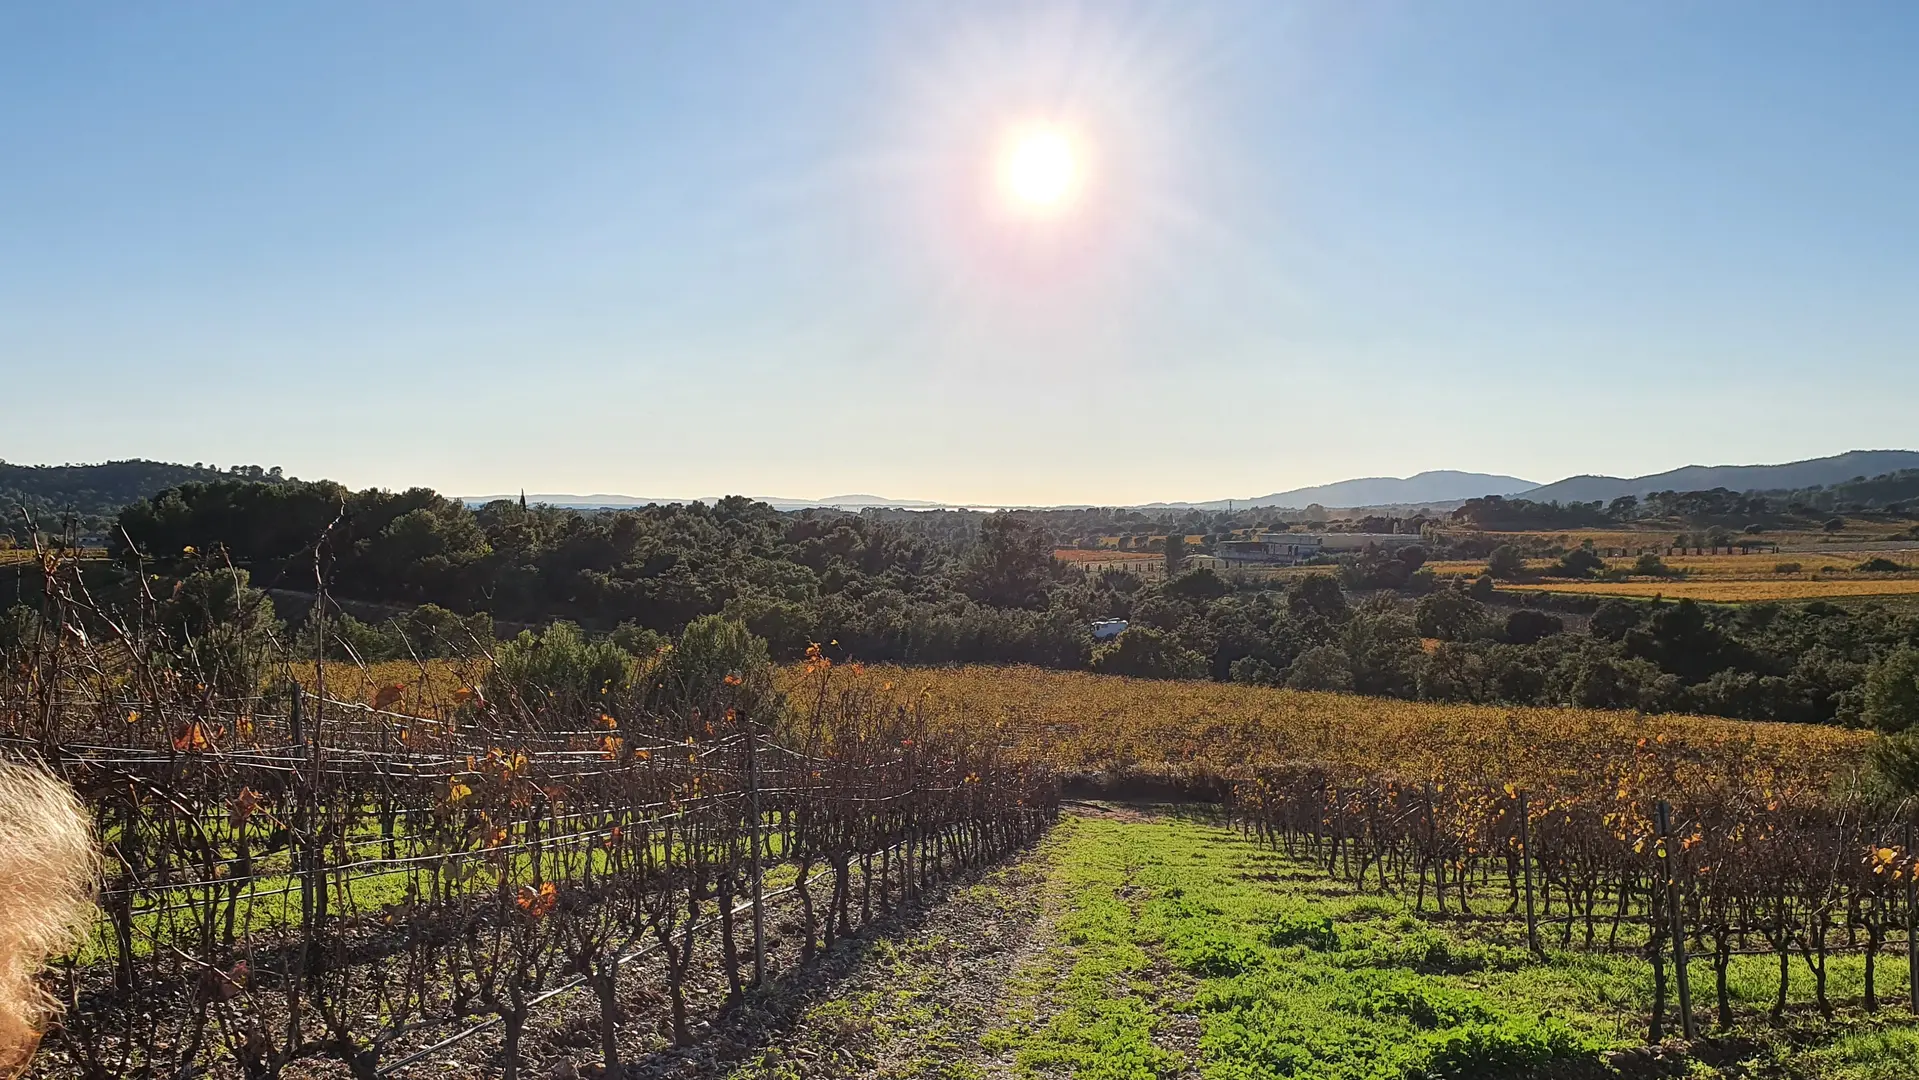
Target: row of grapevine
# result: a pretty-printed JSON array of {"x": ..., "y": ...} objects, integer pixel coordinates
[
  {"x": 295, "y": 879},
  {"x": 1725, "y": 869}
]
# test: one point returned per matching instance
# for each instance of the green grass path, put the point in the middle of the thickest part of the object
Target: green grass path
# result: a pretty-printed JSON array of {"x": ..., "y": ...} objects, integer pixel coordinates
[{"x": 1178, "y": 948}]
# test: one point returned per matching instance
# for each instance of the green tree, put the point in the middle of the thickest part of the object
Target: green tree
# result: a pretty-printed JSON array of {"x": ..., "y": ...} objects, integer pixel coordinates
[
  {"x": 1012, "y": 564},
  {"x": 1254, "y": 671},
  {"x": 1175, "y": 550},
  {"x": 1506, "y": 562},
  {"x": 1200, "y": 584},
  {"x": 1317, "y": 594},
  {"x": 1323, "y": 667},
  {"x": 1146, "y": 653},
  {"x": 225, "y": 629},
  {"x": 1526, "y": 626},
  {"x": 1895, "y": 764},
  {"x": 1892, "y": 691},
  {"x": 1613, "y": 620},
  {"x": 1449, "y": 615}
]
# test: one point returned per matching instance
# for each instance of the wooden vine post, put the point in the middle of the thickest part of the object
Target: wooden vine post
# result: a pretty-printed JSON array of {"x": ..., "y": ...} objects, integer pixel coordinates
[
  {"x": 1526, "y": 869},
  {"x": 1912, "y": 924},
  {"x": 753, "y": 856},
  {"x": 1668, "y": 859}
]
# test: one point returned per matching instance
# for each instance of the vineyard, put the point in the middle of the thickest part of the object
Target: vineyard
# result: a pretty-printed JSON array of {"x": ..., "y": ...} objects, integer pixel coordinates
[
  {"x": 298, "y": 881},
  {"x": 1736, "y": 591},
  {"x": 1202, "y": 732},
  {"x": 1730, "y": 872},
  {"x": 377, "y": 870},
  {"x": 1659, "y": 836}
]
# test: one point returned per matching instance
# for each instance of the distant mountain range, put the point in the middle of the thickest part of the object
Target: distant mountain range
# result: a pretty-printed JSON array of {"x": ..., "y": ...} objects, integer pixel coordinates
[
  {"x": 1437, "y": 486},
  {"x": 1818, "y": 472},
  {"x": 605, "y": 502},
  {"x": 1440, "y": 489},
  {"x": 99, "y": 490}
]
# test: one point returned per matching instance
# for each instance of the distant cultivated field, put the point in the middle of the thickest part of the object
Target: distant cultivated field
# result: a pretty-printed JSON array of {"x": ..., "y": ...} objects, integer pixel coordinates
[
  {"x": 1079, "y": 721},
  {"x": 1760, "y": 566},
  {"x": 1731, "y": 592},
  {"x": 9, "y": 556},
  {"x": 1104, "y": 555}
]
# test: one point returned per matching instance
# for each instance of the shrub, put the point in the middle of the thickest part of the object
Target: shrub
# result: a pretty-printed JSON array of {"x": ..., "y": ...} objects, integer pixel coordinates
[
  {"x": 1526, "y": 626},
  {"x": 1650, "y": 565},
  {"x": 1253, "y": 671},
  {"x": 226, "y": 629},
  {"x": 1892, "y": 692},
  {"x": 1505, "y": 562},
  {"x": 1324, "y": 667},
  {"x": 19, "y": 628},
  {"x": 717, "y": 663},
  {"x": 560, "y": 666},
  {"x": 1581, "y": 562},
  {"x": 1895, "y": 765},
  {"x": 641, "y": 641},
  {"x": 1881, "y": 565},
  {"x": 434, "y": 631},
  {"x": 1787, "y": 568},
  {"x": 1200, "y": 584}
]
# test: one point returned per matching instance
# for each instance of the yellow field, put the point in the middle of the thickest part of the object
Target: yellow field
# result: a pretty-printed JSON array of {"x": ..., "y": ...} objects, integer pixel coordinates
[
  {"x": 1826, "y": 563},
  {"x": 25, "y": 554},
  {"x": 1083, "y": 555},
  {"x": 1604, "y": 538},
  {"x": 1096, "y": 723},
  {"x": 1732, "y": 592},
  {"x": 421, "y": 687}
]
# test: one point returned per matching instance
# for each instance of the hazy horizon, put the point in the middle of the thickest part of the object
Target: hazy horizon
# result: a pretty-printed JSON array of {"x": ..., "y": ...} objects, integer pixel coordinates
[{"x": 647, "y": 250}]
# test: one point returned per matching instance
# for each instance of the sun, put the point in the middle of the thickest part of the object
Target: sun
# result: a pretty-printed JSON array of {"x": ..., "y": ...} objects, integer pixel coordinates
[{"x": 1040, "y": 169}]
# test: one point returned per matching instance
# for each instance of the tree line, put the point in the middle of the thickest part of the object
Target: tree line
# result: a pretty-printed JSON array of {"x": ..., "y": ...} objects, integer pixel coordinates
[{"x": 962, "y": 587}]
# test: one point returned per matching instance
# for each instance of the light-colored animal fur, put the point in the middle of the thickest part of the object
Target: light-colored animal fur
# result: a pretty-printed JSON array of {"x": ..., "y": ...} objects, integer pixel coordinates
[{"x": 49, "y": 873}]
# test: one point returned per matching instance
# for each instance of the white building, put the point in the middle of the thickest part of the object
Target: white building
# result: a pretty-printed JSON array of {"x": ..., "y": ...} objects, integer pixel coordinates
[{"x": 1269, "y": 549}]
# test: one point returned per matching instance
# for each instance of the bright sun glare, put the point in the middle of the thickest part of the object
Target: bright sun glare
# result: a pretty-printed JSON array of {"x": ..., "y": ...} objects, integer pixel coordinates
[{"x": 1039, "y": 169}]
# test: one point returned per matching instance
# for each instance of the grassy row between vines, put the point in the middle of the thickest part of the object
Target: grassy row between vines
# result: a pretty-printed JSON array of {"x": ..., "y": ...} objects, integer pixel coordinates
[{"x": 1182, "y": 948}]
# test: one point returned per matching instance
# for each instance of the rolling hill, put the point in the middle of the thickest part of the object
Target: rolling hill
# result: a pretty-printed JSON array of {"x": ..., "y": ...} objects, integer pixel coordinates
[
  {"x": 1817, "y": 472},
  {"x": 1437, "y": 486},
  {"x": 99, "y": 491}
]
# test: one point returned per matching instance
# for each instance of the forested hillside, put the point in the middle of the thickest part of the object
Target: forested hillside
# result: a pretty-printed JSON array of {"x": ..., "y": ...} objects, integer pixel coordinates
[
  {"x": 92, "y": 494},
  {"x": 947, "y": 587}
]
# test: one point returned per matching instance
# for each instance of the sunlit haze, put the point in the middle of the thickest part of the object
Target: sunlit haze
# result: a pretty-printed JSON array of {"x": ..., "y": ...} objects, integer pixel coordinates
[
  {"x": 1040, "y": 169},
  {"x": 992, "y": 253}
]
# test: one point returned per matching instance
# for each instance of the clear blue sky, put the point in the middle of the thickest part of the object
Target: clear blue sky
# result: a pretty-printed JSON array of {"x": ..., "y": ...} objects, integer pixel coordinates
[{"x": 702, "y": 248}]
